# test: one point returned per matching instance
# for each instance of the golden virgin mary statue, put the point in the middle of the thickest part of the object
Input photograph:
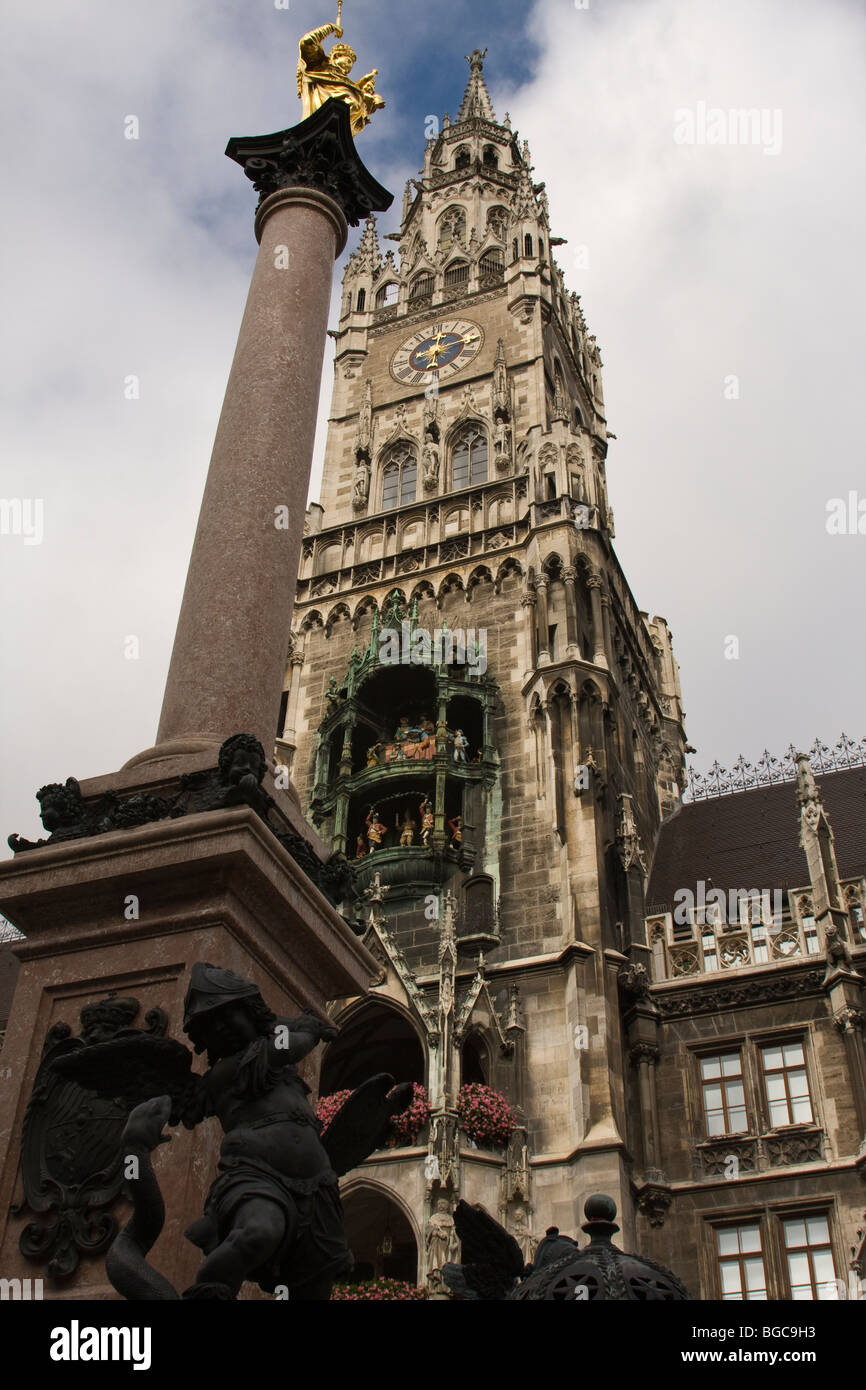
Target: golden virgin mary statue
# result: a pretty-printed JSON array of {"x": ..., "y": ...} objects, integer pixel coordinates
[{"x": 323, "y": 75}]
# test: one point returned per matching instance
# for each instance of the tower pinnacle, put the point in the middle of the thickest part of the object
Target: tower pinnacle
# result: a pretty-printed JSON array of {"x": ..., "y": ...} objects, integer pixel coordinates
[{"x": 476, "y": 99}]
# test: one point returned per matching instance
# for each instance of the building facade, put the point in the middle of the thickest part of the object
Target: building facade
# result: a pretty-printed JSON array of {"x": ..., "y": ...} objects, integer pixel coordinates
[{"x": 477, "y": 713}]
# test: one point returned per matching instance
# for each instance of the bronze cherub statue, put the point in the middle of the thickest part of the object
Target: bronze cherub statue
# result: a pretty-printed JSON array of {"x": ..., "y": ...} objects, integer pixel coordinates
[{"x": 273, "y": 1212}]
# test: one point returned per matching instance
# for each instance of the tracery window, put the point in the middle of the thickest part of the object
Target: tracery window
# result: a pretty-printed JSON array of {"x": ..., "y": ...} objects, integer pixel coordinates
[
  {"x": 497, "y": 222},
  {"x": 421, "y": 286},
  {"x": 469, "y": 458},
  {"x": 452, "y": 227},
  {"x": 399, "y": 478}
]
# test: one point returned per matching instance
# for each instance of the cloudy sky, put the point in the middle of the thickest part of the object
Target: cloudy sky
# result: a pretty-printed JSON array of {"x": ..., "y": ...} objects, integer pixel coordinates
[{"x": 723, "y": 283}]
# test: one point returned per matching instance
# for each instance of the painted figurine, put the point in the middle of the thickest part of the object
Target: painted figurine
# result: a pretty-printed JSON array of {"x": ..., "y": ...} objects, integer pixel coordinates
[
  {"x": 376, "y": 831},
  {"x": 407, "y": 828},
  {"x": 461, "y": 743},
  {"x": 426, "y": 809},
  {"x": 456, "y": 828}
]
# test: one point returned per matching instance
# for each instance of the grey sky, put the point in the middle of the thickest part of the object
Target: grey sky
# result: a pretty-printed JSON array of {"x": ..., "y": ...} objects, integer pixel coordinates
[{"x": 133, "y": 257}]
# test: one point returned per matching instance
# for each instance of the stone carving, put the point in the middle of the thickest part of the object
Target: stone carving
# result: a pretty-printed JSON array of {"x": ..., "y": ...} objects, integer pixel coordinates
[
  {"x": 430, "y": 464},
  {"x": 365, "y": 420},
  {"x": 740, "y": 994},
  {"x": 71, "y": 1153},
  {"x": 633, "y": 980},
  {"x": 715, "y": 1159},
  {"x": 320, "y": 154},
  {"x": 793, "y": 1148},
  {"x": 361, "y": 485},
  {"x": 440, "y": 1237},
  {"x": 501, "y": 443},
  {"x": 654, "y": 1201},
  {"x": 273, "y": 1213},
  {"x": 522, "y": 1232}
]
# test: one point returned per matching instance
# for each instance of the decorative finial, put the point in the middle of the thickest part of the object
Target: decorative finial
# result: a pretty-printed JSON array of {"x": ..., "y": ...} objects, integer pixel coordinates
[{"x": 324, "y": 75}]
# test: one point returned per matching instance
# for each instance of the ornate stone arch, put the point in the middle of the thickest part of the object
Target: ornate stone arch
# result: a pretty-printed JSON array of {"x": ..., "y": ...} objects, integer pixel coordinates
[
  {"x": 450, "y": 584},
  {"x": 367, "y": 605},
  {"x": 312, "y": 619},
  {"x": 364, "y": 1183},
  {"x": 338, "y": 613},
  {"x": 478, "y": 575},
  {"x": 509, "y": 566}
]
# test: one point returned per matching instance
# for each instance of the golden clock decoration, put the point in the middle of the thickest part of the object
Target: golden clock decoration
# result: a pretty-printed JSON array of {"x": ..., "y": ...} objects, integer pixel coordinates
[{"x": 437, "y": 352}]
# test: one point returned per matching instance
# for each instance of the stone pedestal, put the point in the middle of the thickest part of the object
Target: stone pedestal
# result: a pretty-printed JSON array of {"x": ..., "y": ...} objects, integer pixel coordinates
[{"x": 214, "y": 887}]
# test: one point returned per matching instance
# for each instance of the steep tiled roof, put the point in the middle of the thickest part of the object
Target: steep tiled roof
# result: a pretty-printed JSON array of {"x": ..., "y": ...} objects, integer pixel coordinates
[{"x": 751, "y": 839}]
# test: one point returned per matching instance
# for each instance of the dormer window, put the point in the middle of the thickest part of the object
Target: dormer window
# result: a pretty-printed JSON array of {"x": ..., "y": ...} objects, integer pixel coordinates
[
  {"x": 421, "y": 286},
  {"x": 387, "y": 295}
]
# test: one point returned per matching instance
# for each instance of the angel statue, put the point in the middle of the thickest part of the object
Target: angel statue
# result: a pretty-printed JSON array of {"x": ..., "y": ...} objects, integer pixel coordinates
[
  {"x": 324, "y": 75},
  {"x": 273, "y": 1213}
]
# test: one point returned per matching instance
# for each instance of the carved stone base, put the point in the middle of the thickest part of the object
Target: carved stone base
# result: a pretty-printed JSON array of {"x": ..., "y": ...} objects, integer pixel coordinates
[{"x": 127, "y": 913}]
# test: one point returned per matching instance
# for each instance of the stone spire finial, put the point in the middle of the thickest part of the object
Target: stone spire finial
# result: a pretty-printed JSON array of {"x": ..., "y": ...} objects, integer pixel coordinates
[
  {"x": 476, "y": 99},
  {"x": 368, "y": 256}
]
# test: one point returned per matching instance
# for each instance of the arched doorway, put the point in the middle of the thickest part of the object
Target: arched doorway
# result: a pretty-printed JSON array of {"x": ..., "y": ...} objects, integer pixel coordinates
[
  {"x": 380, "y": 1236},
  {"x": 375, "y": 1039}
]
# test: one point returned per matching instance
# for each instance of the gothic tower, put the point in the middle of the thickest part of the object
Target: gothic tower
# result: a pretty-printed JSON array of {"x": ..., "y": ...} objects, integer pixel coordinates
[{"x": 476, "y": 712}]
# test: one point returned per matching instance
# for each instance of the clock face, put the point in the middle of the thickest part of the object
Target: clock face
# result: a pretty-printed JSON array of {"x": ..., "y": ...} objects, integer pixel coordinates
[{"x": 437, "y": 352}]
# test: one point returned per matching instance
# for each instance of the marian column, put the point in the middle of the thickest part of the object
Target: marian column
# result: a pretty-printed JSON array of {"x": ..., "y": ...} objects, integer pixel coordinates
[{"x": 229, "y": 654}]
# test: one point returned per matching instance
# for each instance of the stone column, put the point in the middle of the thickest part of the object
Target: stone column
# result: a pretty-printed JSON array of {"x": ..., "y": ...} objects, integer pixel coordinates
[
  {"x": 572, "y": 645},
  {"x": 594, "y": 585},
  {"x": 645, "y": 1057},
  {"x": 541, "y": 617},
  {"x": 227, "y": 664},
  {"x": 528, "y": 603}
]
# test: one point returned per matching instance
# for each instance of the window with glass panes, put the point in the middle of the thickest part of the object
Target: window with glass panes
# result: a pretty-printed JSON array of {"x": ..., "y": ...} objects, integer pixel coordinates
[
  {"x": 723, "y": 1094},
  {"x": 740, "y": 1258},
  {"x": 399, "y": 480},
  {"x": 811, "y": 1269},
  {"x": 469, "y": 459},
  {"x": 786, "y": 1083}
]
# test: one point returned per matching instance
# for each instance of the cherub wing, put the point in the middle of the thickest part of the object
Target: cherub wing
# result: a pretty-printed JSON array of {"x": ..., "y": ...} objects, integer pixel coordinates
[
  {"x": 361, "y": 1123},
  {"x": 140, "y": 1067},
  {"x": 490, "y": 1257}
]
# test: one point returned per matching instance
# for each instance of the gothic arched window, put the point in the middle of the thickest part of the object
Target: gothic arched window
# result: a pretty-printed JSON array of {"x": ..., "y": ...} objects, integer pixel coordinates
[
  {"x": 492, "y": 263},
  {"x": 469, "y": 458},
  {"x": 421, "y": 286},
  {"x": 457, "y": 273},
  {"x": 497, "y": 222},
  {"x": 489, "y": 157},
  {"x": 462, "y": 159},
  {"x": 527, "y": 245},
  {"x": 387, "y": 295},
  {"x": 399, "y": 478},
  {"x": 361, "y": 301},
  {"x": 452, "y": 227}
]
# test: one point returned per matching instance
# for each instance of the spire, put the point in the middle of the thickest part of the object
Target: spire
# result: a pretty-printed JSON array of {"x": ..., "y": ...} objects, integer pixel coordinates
[
  {"x": 476, "y": 99},
  {"x": 368, "y": 256}
]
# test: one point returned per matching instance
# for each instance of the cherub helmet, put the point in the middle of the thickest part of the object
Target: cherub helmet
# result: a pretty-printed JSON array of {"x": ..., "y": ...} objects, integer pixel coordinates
[{"x": 210, "y": 988}]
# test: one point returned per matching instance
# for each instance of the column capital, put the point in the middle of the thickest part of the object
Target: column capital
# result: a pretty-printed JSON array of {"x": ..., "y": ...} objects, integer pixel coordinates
[{"x": 317, "y": 155}]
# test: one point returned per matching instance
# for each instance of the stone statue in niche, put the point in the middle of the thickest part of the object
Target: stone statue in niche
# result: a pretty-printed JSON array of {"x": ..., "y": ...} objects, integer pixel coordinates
[
  {"x": 440, "y": 1236},
  {"x": 522, "y": 1232},
  {"x": 361, "y": 486},
  {"x": 501, "y": 443},
  {"x": 430, "y": 463},
  {"x": 273, "y": 1213}
]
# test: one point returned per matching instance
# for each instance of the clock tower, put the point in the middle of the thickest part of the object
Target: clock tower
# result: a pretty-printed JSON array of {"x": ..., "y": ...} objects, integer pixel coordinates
[{"x": 478, "y": 715}]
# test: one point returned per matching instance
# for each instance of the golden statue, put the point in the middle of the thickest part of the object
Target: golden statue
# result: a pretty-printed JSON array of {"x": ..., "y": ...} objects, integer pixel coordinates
[{"x": 323, "y": 75}]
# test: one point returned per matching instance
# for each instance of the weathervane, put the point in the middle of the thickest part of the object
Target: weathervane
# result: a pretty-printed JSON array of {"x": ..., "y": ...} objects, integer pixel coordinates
[{"x": 324, "y": 75}]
